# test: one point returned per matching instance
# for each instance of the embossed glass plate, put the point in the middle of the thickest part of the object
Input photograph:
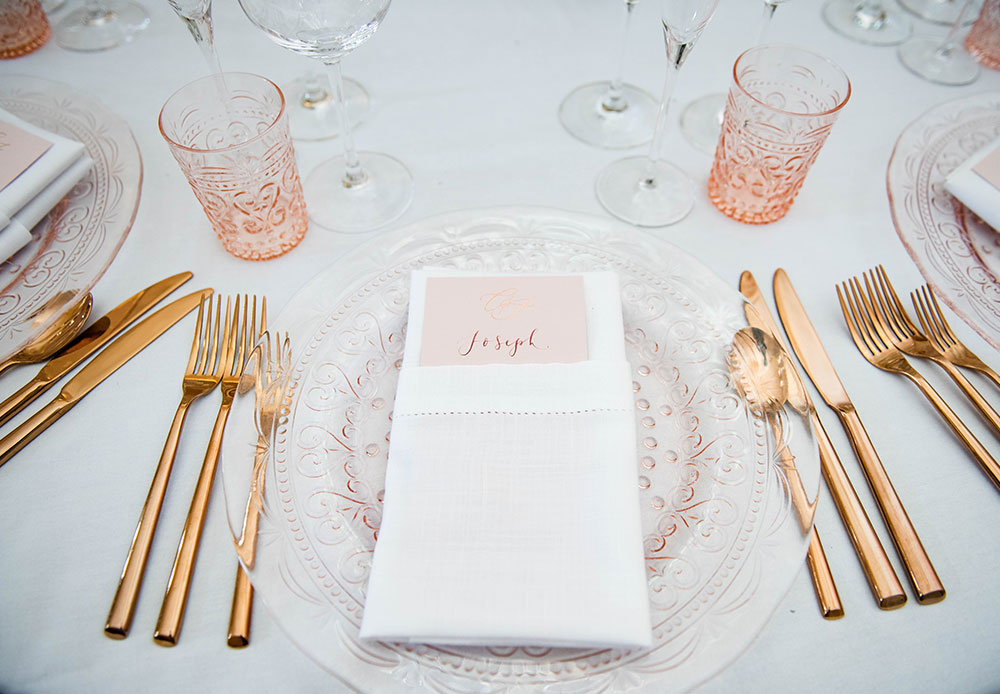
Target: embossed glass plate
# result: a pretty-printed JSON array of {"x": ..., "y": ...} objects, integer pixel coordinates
[
  {"x": 722, "y": 539},
  {"x": 946, "y": 242},
  {"x": 73, "y": 246}
]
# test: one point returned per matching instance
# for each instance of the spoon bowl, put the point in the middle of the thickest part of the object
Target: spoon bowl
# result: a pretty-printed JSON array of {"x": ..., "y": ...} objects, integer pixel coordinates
[{"x": 57, "y": 335}]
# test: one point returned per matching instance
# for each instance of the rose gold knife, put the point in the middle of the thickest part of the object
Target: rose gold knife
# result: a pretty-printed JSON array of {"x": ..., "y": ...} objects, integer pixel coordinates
[
  {"x": 814, "y": 360},
  {"x": 882, "y": 579}
]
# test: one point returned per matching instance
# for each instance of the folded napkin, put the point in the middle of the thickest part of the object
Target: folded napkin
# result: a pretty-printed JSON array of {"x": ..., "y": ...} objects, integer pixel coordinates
[
  {"x": 976, "y": 182},
  {"x": 29, "y": 194},
  {"x": 511, "y": 511}
]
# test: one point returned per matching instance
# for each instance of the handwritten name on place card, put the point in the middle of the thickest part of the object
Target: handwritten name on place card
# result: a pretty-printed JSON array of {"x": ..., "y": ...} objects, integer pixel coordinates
[
  {"x": 19, "y": 149},
  {"x": 526, "y": 319}
]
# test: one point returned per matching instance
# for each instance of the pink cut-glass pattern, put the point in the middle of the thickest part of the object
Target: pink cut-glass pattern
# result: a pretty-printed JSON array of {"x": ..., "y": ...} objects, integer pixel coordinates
[
  {"x": 23, "y": 27},
  {"x": 983, "y": 40},
  {"x": 780, "y": 109},
  {"x": 239, "y": 162}
]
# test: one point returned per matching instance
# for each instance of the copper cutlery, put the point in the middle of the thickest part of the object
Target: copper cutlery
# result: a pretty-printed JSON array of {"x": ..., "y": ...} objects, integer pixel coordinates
[
  {"x": 56, "y": 335},
  {"x": 816, "y": 362}
]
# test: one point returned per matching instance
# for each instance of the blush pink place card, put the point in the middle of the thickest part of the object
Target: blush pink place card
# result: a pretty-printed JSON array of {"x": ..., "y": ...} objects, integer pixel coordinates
[
  {"x": 989, "y": 167},
  {"x": 19, "y": 149},
  {"x": 528, "y": 319}
]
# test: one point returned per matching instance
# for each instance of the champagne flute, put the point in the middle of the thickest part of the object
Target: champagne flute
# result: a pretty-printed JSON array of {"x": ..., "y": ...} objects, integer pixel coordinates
[
  {"x": 867, "y": 21},
  {"x": 646, "y": 190},
  {"x": 358, "y": 191},
  {"x": 197, "y": 16},
  {"x": 611, "y": 114},
  {"x": 100, "y": 24},
  {"x": 942, "y": 61},
  {"x": 701, "y": 120},
  {"x": 312, "y": 113}
]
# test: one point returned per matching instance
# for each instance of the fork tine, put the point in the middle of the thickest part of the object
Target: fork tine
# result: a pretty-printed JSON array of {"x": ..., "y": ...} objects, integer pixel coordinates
[
  {"x": 946, "y": 329},
  {"x": 889, "y": 310},
  {"x": 927, "y": 322},
  {"x": 206, "y": 340},
  {"x": 228, "y": 335},
  {"x": 196, "y": 341},
  {"x": 897, "y": 302},
  {"x": 858, "y": 316},
  {"x": 876, "y": 331},
  {"x": 880, "y": 310},
  {"x": 859, "y": 341}
]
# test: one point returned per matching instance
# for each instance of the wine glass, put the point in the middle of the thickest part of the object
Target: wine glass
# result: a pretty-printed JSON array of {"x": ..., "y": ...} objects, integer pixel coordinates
[
  {"x": 312, "y": 113},
  {"x": 701, "y": 120},
  {"x": 197, "y": 15},
  {"x": 939, "y": 11},
  {"x": 867, "y": 21},
  {"x": 358, "y": 191},
  {"x": 942, "y": 61},
  {"x": 646, "y": 190},
  {"x": 100, "y": 24},
  {"x": 611, "y": 114}
]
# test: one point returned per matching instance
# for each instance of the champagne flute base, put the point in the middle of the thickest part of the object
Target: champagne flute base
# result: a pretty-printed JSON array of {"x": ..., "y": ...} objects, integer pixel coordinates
[
  {"x": 89, "y": 30},
  {"x": 311, "y": 118},
  {"x": 585, "y": 116},
  {"x": 923, "y": 56},
  {"x": 380, "y": 199},
  {"x": 644, "y": 192},
  {"x": 850, "y": 18},
  {"x": 701, "y": 122}
]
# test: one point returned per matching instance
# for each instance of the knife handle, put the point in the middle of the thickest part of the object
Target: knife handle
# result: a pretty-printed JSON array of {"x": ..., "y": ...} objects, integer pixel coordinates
[
  {"x": 826, "y": 590},
  {"x": 923, "y": 577},
  {"x": 882, "y": 579},
  {"x": 239, "y": 616},
  {"x": 24, "y": 395},
  {"x": 26, "y": 432},
  {"x": 123, "y": 604}
]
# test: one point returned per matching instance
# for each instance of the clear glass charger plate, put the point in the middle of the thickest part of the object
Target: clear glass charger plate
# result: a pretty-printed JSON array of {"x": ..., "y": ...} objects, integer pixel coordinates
[
  {"x": 951, "y": 246},
  {"x": 722, "y": 540},
  {"x": 73, "y": 246}
]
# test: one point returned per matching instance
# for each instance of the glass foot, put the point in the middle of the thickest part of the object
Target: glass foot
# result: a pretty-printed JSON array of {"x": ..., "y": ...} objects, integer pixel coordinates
[
  {"x": 114, "y": 23},
  {"x": 312, "y": 111},
  {"x": 645, "y": 193},
  {"x": 378, "y": 200},
  {"x": 586, "y": 117},
  {"x": 923, "y": 56},
  {"x": 940, "y": 11},
  {"x": 701, "y": 122},
  {"x": 881, "y": 26}
]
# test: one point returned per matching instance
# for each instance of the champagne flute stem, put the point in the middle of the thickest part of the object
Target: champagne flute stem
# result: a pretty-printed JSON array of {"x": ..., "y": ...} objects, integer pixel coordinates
[
  {"x": 314, "y": 91},
  {"x": 765, "y": 20},
  {"x": 676, "y": 53},
  {"x": 949, "y": 43},
  {"x": 870, "y": 14},
  {"x": 354, "y": 175},
  {"x": 201, "y": 30},
  {"x": 615, "y": 100}
]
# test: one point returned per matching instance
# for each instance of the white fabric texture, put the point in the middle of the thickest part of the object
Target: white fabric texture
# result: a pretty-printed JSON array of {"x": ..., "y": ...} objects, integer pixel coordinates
[
  {"x": 511, "y": 505},
  {"x": 975, "y": 192}
]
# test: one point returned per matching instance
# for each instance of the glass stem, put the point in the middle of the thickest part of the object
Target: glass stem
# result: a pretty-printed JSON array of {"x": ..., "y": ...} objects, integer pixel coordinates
[
  {"x": 765, "y": 20},
  {"x": 950, "y": 44},
  {"x": 614, "y": 99},
  {"x": 676, "y": 52},
  {"x": 354, "y": 175},
  {"x": 870, "y": 14},
  {"x": 314, "y": 93},
  {"x": 201, "y": 30}
]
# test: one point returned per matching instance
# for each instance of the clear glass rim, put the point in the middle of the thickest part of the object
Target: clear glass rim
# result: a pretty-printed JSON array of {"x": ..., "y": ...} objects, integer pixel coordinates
[
  {"x": 227, "y": 148},
  {"x": 796, "y": 49}
]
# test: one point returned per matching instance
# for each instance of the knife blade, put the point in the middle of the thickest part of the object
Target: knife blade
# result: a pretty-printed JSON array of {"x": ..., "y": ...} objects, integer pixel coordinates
[
  {"x": 882, "y": 579},
  {"x": 100, "y": 367},
  {"x": 814, "y": 359},
  {"x": 89, "y": 341}
]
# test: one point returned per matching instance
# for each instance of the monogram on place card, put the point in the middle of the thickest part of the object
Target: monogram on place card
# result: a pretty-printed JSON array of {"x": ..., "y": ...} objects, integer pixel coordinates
[
  {"x": 527, "y": 319},
  {"x": 19, "y": 149},
  {"x": 989, "y": 168}
]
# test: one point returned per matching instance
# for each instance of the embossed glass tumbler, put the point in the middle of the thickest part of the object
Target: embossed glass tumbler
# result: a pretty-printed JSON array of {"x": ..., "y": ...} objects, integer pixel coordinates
[
  {"x": 23, "y": 27},
  {"x": 983, "y": 39},
  {"x": 781, "y": 107},
  {"x": 239, "y": 160}
]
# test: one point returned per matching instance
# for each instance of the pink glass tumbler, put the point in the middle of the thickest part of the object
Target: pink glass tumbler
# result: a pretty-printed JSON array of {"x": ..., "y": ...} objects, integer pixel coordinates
[
  {"x": 23, "y": 27},
  {"x": 983, "y": 39},
  {"x": 781, "y": 107}
]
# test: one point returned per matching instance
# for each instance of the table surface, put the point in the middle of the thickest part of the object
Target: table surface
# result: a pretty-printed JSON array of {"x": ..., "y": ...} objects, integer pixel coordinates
[{"x": 466, "y": 94}]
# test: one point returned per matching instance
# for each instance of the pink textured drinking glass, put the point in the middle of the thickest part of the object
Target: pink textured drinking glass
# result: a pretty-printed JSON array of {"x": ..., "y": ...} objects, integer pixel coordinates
[
  {"x": 983, "y": 40},
  {"x": 23, "y": 27},
  {"x": 229, "y": 134},
  {"x": 781, "y": 107}
]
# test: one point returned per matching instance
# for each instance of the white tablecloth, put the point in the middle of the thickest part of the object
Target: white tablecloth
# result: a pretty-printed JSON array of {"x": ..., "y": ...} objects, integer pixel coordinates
[{"x": 466, "y": 94}]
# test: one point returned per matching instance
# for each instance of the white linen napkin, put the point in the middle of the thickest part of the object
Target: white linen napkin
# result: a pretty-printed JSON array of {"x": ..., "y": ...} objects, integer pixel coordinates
[
  {"x": 974, "y": 190},
  {"x": 511, "y": 511}
]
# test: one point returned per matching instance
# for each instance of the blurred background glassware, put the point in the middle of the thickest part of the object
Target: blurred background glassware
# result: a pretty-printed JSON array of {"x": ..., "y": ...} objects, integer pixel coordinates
[
  {"x": 100, "y": 25},
  {"x": 197, "y": 16},
  {"x": 701, "y": 120},
  {"x": 983, "y": 39},
  {"x": 357, "y": 191},
  {"x": 765, "y": 152},
  {"x": 238, "y": 159},
  {"x": 312, "y": 110},
  {"x": 868, "y": 21},
  {"x": 944, "y": 61},
  {"x": 941, "y": 11},
  {"x": 23, "y": 27},
  {"x": 51, "y": 6},
  {"x": 645, "y": 190},
  {"x": 614, "y": 115}
]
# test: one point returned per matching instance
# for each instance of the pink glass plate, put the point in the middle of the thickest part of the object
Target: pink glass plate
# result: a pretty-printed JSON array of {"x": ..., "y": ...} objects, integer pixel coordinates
[
  {"x": 72, "y": 247},
  {"x": 946, "y": 244},
  {"x": 722, "y": 542}
]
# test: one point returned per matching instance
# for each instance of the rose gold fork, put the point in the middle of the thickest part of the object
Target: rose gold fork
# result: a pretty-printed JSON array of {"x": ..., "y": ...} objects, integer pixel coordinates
[
  {"x": 201, "y": 375},
  {"x": 874, "y": 343},
  {"x": 937, "y": 329},
  {"x": 238, "y": 339},
  {"x": 907, "y": 337}
]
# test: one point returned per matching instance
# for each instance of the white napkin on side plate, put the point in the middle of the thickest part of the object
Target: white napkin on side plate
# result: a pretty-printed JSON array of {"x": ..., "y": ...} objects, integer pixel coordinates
[
  {"x": 974, "y": 189},
  {"x": 511, "y": 510}
]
